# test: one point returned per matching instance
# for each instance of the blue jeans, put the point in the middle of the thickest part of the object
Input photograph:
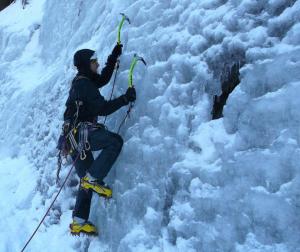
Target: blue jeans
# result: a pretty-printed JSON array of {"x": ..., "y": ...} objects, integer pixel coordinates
[{"x": 111, "y": 144}]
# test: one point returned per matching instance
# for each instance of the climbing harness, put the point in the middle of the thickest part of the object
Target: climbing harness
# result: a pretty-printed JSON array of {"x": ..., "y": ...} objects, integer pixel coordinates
[
  {"x": 124, "y": 17},
  {"x": 81, "y": 146}
]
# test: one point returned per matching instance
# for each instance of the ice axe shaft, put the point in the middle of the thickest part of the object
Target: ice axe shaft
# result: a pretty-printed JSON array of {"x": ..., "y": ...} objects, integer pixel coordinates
[
  {"x": 124, "y": 17},
  {"x": 135, "y": 59}
]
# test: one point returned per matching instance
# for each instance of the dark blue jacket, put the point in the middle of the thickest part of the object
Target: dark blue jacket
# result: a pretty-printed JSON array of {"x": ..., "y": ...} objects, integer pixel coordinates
[{"x": 85, "y": 88}]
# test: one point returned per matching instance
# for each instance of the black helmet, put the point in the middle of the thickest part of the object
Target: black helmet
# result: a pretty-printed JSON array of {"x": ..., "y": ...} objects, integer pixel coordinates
[{"x": 82, "y": 58}]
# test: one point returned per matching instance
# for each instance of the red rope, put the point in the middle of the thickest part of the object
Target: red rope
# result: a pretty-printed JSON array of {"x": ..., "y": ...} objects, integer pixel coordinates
[{"x": 51, "y": 204}]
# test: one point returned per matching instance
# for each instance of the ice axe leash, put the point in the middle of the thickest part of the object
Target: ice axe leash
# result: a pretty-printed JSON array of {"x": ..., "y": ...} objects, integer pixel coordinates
[{"x": 134, "y": 61}]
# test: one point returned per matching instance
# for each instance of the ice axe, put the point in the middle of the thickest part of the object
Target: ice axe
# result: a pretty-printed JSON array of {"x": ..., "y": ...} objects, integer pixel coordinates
[
  {"x": 135, "y": 59},
  {"x": 124, "y": 17}
]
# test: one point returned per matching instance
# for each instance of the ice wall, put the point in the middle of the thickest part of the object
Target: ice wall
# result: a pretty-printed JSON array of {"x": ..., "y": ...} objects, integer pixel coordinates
[{"x": 182, "y": 182}]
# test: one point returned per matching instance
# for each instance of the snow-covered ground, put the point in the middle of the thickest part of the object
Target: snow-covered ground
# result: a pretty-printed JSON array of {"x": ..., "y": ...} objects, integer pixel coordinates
[{"x": 182, "y": 181}]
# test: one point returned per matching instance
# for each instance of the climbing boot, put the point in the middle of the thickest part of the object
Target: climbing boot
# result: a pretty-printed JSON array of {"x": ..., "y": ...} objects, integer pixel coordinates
[
  {"x": 86, "y": 228},
  {"x": 100, "y": 188}
]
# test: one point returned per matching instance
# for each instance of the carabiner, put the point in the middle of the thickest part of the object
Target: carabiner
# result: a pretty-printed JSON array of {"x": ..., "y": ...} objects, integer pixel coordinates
[
  {"x": 82, "y": 155},
  {"x": 87, "y": 146}
]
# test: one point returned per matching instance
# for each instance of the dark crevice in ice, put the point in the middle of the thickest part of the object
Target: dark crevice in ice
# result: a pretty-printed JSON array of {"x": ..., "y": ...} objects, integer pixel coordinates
[{"x": 229, "y": 79}]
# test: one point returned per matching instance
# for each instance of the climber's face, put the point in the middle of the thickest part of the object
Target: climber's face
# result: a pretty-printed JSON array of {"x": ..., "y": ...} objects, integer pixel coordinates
[
  {"x": 94, "y": 62},
  {"x": 94, "y": 65}
]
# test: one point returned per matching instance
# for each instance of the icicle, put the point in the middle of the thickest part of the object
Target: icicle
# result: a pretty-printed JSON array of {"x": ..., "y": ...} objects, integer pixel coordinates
[
  {"x": 24, "y": 3},
  {"x": 80, "y": 7}
]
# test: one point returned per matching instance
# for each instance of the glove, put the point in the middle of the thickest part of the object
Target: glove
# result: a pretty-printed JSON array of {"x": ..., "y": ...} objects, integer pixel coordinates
[
  {"x": 117, "y": 51},
  {"x": 130, "y": 95}
]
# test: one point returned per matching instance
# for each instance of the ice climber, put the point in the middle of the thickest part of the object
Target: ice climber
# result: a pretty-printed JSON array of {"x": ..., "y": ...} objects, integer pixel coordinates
[{"x": 83, "y": 106}]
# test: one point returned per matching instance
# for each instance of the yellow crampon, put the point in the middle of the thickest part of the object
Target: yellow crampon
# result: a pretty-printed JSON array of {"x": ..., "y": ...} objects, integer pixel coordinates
[
  {"x": 86, "y": 228},
  {"x": 101, "y": 190}
]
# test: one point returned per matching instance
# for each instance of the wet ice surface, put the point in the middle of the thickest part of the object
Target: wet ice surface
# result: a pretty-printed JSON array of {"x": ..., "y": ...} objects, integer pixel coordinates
[{"x": 182, "y": 182}]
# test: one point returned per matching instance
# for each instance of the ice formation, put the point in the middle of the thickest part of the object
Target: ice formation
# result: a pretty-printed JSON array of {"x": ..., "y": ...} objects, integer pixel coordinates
[{"x": 183, "y": 182}]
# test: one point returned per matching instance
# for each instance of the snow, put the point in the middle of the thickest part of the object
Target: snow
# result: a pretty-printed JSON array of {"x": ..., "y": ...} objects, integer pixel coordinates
[{"x": 182, "y": 181}]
